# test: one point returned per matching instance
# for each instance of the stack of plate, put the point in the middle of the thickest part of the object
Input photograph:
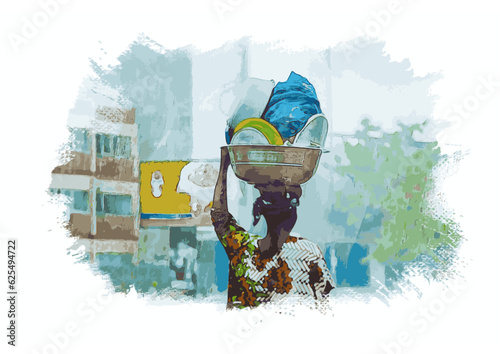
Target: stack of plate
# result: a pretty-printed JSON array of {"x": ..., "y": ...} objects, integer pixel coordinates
[
  {"x": 257, "y": 131},
  {"x": 259, "y": 155}
]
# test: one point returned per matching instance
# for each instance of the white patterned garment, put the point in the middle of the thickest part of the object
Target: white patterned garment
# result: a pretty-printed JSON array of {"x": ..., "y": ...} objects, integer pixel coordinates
[
  {"x": 297, "y": 270},
  {"x": 301, "y": 256}
]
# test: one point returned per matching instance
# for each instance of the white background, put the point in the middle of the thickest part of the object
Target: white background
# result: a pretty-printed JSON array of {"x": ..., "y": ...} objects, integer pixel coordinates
[{"x": 39, "y": 86}]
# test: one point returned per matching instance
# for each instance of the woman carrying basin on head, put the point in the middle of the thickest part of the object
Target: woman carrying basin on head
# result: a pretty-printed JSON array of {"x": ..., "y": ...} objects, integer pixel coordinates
[
  {"x": 278, "y": 265},
  {"x": 270, "y": 268}
]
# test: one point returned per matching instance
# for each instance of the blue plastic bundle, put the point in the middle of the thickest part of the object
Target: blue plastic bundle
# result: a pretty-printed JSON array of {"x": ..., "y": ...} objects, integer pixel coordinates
[{"x": 291, "y": 104}]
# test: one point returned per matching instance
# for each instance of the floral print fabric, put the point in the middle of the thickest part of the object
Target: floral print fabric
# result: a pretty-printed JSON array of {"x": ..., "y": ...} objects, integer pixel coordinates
[{"x": 298, "y": 269}]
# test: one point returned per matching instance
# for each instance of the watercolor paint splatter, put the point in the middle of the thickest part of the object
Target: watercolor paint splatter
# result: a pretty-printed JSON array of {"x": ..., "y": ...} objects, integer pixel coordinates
[{"x": 139, "y": 171}]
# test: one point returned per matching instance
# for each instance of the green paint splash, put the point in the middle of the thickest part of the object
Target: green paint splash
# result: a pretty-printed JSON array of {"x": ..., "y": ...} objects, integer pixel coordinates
[{"x": 393, "y": 174}]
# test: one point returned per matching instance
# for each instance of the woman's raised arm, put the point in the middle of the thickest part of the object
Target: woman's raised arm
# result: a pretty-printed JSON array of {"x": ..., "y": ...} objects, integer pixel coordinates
[{"x": 220, "y": 192}]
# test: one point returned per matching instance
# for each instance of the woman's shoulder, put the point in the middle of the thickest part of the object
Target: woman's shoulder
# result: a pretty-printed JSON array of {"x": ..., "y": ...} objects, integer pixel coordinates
[{"x": 302, "y": 245}]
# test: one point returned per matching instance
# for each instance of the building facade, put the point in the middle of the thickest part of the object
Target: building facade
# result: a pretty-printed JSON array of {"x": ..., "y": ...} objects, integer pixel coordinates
[{"x": 100, "y": 180}]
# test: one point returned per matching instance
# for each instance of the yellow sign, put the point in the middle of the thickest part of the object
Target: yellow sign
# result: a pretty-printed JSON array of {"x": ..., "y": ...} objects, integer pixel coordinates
[{"x": 159, "y": 182}]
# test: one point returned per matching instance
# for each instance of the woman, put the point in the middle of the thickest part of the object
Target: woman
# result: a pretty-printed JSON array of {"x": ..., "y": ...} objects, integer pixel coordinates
[{"x": 274, "y": 267}]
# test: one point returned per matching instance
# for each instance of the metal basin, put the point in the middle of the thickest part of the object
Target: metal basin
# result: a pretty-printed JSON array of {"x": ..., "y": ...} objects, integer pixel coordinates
[{"x": 263, "y": 164}]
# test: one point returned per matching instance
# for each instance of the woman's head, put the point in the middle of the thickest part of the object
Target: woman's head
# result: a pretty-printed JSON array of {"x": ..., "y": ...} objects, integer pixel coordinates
[{"x": 278, "y": 205}]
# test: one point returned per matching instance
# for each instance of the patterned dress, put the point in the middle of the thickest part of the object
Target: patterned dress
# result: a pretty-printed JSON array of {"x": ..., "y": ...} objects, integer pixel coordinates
[{"x": 298, "y": 269}]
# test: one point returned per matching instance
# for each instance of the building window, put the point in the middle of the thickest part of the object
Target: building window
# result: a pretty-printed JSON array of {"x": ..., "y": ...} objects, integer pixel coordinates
[
  {"x": 77, "y": 200},
  {"x": 81, "y": 200},
  {"x": 113, "y": 204},
  {"x": 80, "y": 141},
  {"x": 122, "y": 146},
  {"x": 108, "y": 145}
]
